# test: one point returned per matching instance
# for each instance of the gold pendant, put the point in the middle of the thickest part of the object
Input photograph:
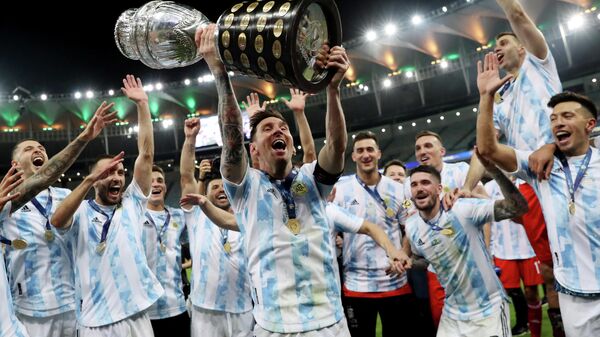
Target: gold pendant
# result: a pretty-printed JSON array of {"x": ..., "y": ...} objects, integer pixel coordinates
[
  {"x": 19, "y": 244},
  {"x": 390, "y": 212},
  {"x": 101, "y": 247},
  {"x": 227, "y": 247},
  {"x": 406, "y": 204},
  {"x": 294, "y": 226},
  {"x": 447, "y": 231},
  {"x": 163, "y": 247},
  {"x": 572, "y": 207},
  {"x": 49, "y": 235}
]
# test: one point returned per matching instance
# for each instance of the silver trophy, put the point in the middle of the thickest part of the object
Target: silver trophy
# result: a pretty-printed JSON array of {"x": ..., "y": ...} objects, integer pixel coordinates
[{"x": 277, "y": 41}]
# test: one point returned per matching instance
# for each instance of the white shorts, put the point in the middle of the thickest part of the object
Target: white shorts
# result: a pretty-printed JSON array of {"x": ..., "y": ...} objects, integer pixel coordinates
[
  {"x": 211, "y": 323},
  {"x": 581, "y": 316},
  {"x": 134, "y": 326},
  {"x": 339, "y": 329},
  {"x": 496, "y": 325},
  {"x": 61, "y": 325}
]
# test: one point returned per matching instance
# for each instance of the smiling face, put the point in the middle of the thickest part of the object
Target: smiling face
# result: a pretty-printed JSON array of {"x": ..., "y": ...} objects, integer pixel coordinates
[
  {"x": 425, "y": 189},
  {"x": 159, "y": 189},
  {"x": 396, "y": 173},
  {"x": 510, "y": 53},
  {"x": 366, "y": 155},
  {"x": 216, "y": 194},
  {"x": 429, "y": 151},
  {"x": 30, "y": 155},
  {"x": 273, "y": 145},
  {"x": 109, "y": 190},
  {"x": 571, "y": 125}
]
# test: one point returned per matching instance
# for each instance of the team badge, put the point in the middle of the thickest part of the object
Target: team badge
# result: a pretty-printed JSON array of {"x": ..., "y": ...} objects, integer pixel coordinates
[
  {"x": 406, "y": 204},
  {"x": 299, "y": 188}
]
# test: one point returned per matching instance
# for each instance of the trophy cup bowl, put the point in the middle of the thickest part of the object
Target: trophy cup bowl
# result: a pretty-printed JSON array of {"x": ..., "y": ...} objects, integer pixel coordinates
[{"x": 276, "y": 40}]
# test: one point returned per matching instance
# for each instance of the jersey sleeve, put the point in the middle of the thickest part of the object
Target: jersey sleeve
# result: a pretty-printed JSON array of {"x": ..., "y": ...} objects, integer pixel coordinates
[
  {"x": 474, "y": 211},
  {"x": 238, "y": 193},
  {"x": 343, "y": 221},
  {"x": 523, "y": 172}
]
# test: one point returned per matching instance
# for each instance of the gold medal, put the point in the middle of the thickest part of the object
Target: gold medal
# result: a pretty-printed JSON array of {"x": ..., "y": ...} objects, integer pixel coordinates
[
  {"x": 227, "y": 247},
  {"x": 19, "y": 244},
  {"x": 572, "y": 207},
  {"x": 406, "y": 204},
  {"x": 447, "y": 231},
  {"x": 163, "y": 247},
  {"x": 101, "y": 247},
  {"x": 48, "y": 235},
  {"x": 294, "y": 226},
  {"x": 390, "y": 212}
]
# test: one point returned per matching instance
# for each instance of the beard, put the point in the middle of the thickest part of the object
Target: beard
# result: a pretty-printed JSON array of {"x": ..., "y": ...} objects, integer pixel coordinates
[
  {"x": 428, "y": 206},
  {"x": 102, "y": 193}
]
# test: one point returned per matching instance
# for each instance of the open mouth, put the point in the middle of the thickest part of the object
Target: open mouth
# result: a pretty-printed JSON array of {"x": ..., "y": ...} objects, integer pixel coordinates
[
  {"x": 156, "y": 192},
  {"x": 114, "y": 191},
  {"x": 562, "y": 136},
  {"x": 500, "y": 58},
  {"x": 425, "y": 159},
  {"x": 38, "y": 161},
  {"x": 421, "y": 196},
  {"x": 279, "y": 144},
  {"x": 221, "y": 197}
]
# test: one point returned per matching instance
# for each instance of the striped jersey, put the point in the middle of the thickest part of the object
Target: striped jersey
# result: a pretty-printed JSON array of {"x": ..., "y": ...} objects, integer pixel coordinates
[
  {"x": 41, "y": 275},
  {"x": 166, "y": 265},
  {"x": 118, "y": 283},
  {"x": 219, "y": 278},
  {"x": 574, "y": 239},
  {"x": 342, "y": 222},
  {"x": 9, "y": 324},
  {"x": 520, "y": 111},
  {"x": 453, "y": 176},
  {"x": 293, "y": 277},
  {"x": 509, "y": 240},
  {"x": 452, "y": 243},
  {"x": 364, "y": 261}
]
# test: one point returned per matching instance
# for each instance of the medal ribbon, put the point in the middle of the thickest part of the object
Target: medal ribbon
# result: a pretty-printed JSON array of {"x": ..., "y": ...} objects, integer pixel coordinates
[
  {"x": 5, "y": 241},
  {"x": 284, "y": 187},
  {"x": 373, "y": 193},
  {"x": 44, "y": 211},
  {"x": 224, "y": 235},
  {"x": 434, "y": 224},
  {"x": 584, "y": 166},
  {"x": 106, "y": 224},
  {"x": 164, "y": 227}
]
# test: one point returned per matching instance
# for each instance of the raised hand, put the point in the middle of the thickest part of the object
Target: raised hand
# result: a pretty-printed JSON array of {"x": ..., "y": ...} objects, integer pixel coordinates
[
  {"x": 192, "y": 127},
  {"x": 133, "y": 89},
  {"x": 205, "y": 168},
  {"x": 297, "y": 102},
  {"x": 338, "y": 59},
  {"x": 193, "y": 199},
  {"x": 488, "y": 75},
  {"x": 102, "y": 117},
  {"x": 12, "y": 179},
  {"x": 102, "y": 171},
  {"x": 205, "y": 42},
  {"x": 252, "y": 104}
]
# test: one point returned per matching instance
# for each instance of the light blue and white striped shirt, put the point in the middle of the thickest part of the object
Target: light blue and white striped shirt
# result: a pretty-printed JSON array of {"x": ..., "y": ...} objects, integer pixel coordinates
[
  {"x": 293, "y": 277},
  {"x": 364, "y": 261},
  {"x": 41, "y": 275},
  {"x": 118, "y": 283},
  {"x": 166, "y": 265},
  {"x": 460, "y": 259},
  {"x": 453, "y": 176},
  {"x": 509, "y": 240},
  {"x": 219, "y": 279},
  {"x": 574, "y": 239},
  {"x": 522, "y": 114},
  {"x": 343, "y": 222},
  {"x": 9, "y": 324}
]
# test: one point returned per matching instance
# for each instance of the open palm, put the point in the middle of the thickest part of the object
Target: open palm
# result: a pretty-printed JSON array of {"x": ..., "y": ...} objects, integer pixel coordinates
[
  {"x": 488, "y": 75},
  {"x": 133, "y": 89},
  {"x": 298, "y": 100},
  {"x": 102, "y": 117}
]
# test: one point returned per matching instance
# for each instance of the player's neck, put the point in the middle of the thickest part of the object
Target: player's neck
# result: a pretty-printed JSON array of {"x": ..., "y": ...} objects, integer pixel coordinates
[
  {"x": 156, "y": 206},
  {"x": 280, "y": 172},
  {"x": 430, "y": 213},
  {"x": 439, "y": 167},
  {"x": 369, "y": 177}
]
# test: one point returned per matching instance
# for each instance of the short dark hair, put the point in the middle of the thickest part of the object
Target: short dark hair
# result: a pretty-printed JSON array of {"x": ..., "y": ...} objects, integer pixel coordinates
[
  {"x": 97, "y": 159},
  {"x": 569, "y": 96},
  {"x": 393, "y": 162},
  {"x": 427, "y": 169},
  {"x": 14, "y": 149},
  {"x": 156, "y": 168},
  {"x": 507, "y": 34},
  {"x": 365, "y": 135},
  {"x": 425, "y": 133},
  {"x": 259, "y": 117},
  {"x": 212, "y": 175}
]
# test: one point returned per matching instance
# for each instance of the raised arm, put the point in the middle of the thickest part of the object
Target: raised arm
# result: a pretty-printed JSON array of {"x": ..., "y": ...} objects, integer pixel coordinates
[
  {"x": 142, "y": 170},
  {"x": 188, "y": 155},
  {"x": 60, "y": 163},
  {"x": 234, "y": 159},
  {"x": 297, "y": 104},
  {"x": 203, "y": 172},
  {"x": 11, "y": 180},
  {"x": 399, "y": 260},
  {"x": 218, "y": 216},
  {"x": 488, "y": 82},
  {"x": 67, "y": 208},
  {"x": 331, "y": 156},
  {"x": 524, "y": 28}
]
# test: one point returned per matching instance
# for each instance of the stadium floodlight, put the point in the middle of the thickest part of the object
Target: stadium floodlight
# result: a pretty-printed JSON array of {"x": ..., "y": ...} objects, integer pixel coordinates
[
  {"x": 149, "y": 88},
  {"x": 383, "y": 130},
  {"x": 200, "y": 79},
  {"x": 371, "y": 35},
  {"x": 414, "y": 124},
  {"x": 366, "y": 88},
  {"x": 43, "y": 97},
  {"x": 77, "y": 95},
  {"x": 444, "y": 64},
  {"x": 409, "y": 74},
  {"x": 158, "y": 86},
  {"x": 15, "y": 97},
  {"x": 390, "y": 29},
  {"x": 89, "y": 94},
  {"x": 575, "y": 22},
  {"x": 458, "y": 113},
  {"x": 111, "y": 92},
  {"x": 445, "y": 9},
  {"x": 417, "y": 20},
  {"x": 166, "y": 123},
  {"x": 428, "y": 121},
  {"x": 387, "y": 83},
  {"x": 399, "y": 127},
  {"x": 187, "y": 81}
]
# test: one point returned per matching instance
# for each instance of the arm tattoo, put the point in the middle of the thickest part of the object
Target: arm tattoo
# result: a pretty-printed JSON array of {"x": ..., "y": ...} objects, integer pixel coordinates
[
  {"x": 513, "y": 204},
  {"x": 48, "y": 173}
]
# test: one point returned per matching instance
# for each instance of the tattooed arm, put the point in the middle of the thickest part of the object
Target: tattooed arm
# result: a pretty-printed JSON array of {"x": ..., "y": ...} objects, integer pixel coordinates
[
  {"x": 188, "y": 153},
  {"x": 234, "y": 159},
  {"x": 60, "y": 163}
]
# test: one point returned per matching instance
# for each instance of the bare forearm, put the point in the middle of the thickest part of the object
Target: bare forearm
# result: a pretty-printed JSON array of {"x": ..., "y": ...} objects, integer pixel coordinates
[
  {"x": 63, "y": 214},
  {"x": 143, "y": 164},
  {"x": 186, "y": 167},
  {"x": 233, "y": 155},
  {"x": 379, "y": 236},
  {"x": 476, "y": 172},
  {"x": 331, "y": 157},
  {"x": 306, "y": 139},
  {"x": 524, "y": 27},
  {"x": 220, "y": 217},
  {"x": 486, "y": 139},
  {"x": 48, "y": 173},
  {"x": 513, "y": 204}
]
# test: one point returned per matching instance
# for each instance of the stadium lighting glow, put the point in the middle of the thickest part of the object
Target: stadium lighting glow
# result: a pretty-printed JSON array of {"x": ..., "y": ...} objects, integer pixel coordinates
[
  {"x": 166, "y": 123},
  {"x": 231, "y": 73},
  {"x": 149, "y": 88},
  {"x": 575, "y": 22},
  {"x": 324, "y": 141},
  {"x": 598, "y": 16},
  {"x": 387, "y": 83},
  {"x": 299, "y": 147},
  {"x": 428, "y": 121},
  {"x": 474, "y": 109},
  {"x": 414, "y": 124},
  {"x": 43, "y": 97},
  {"x": 208, "y": 78},
  {"x": 89, "y": 94},
  {"x": 353, "y": 136},
  {"x": 458, "y": 113},
  {"x": 366, "y": 88},
  {"x": 409, "y": 74},
  {"x": 444, "y": 64},
  {"x": 158, "y": 86},
  {"x": 390, "y": 29},
  {"x": 399, "y": 127},
  {"x": 200, "y": 79},
  {"x": 187, "y": 81},
  {"x": 417, "y": 20},
  {"x": 383, "y": 130},
  {"x": 444, "y": 9},
  {"x": 111, "y": 92},
  {"x": 15, "y": 97},
  {"x": 77, "y": 95},
  {"x": 78, "y": 174},
  {"x": 442, "y": 118},
  {"x": 361, "y": 86},
  {"x": 594, "y": 80},
  {"x": 371, "y": 35}
]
